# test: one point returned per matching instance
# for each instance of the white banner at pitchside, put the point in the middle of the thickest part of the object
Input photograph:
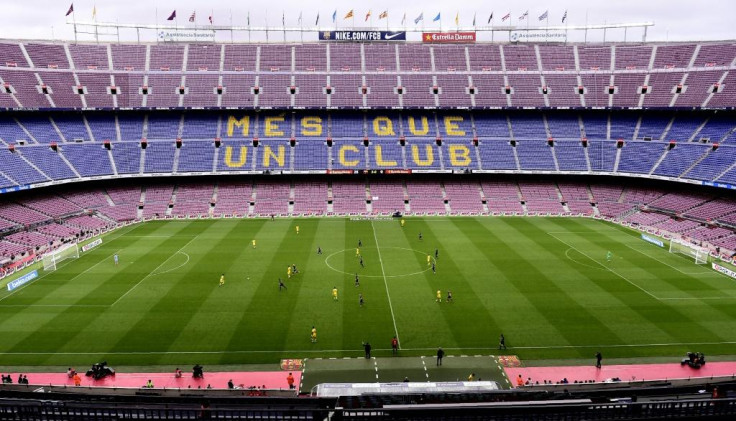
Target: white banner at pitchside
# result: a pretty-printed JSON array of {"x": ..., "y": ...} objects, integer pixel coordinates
[{"x": 724, "y": 270}]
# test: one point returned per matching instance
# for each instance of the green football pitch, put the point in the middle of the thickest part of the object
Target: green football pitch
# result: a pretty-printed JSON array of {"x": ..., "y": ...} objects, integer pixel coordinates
[{"x": 546, "y": 283}]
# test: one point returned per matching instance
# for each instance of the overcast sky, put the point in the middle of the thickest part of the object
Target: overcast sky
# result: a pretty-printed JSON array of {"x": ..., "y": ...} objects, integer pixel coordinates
[{"x": 675, "y": 20}]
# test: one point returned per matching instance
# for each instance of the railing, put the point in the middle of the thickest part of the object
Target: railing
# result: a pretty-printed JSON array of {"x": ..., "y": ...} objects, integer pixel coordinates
[{"x": 54, "y": 410}]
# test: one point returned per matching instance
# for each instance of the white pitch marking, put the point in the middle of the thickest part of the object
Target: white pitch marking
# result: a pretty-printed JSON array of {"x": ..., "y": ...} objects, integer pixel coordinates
[
  {"x": 665, "y": 263},
  {"x": 154, "y": 271},
  {"x": 173, "y": 269},
  {"x": 48, "y": 273},
  {"x": 385, "y": 282},
  {"x": 381, "y": 349},
  {"x": 605, "y": 267}
]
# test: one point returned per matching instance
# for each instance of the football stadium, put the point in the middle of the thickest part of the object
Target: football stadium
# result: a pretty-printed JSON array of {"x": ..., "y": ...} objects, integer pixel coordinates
[{"x": 354, "y": 221}]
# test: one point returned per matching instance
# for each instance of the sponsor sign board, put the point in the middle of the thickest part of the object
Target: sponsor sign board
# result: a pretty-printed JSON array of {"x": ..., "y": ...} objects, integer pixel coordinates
[
  {"x": 28, "y": 277},
  {"x": 719, "y": 185},
  {"x": 538, "y": 36},
  {"x": 362, "y": 36},
  {"x": 724, "y": 270},
  {"x": 189, "y": 35},
  {"x": 92, "y": 244},
  {"x": 652, "y": 240},
  {"x": 448, "y": 37}
]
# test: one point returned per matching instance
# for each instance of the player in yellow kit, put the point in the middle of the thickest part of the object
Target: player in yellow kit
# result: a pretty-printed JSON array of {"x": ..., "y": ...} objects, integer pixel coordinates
[
  {"x": 288, "y": 271},
  {"x": 297, "y": 230},
  {"x": 429, "y": 260},
  {"x": 313, "y": 335},
  {"x": 222, "y": 279},
  {"x": 254, "y": 243},
  {"x": 402, "y": 223},
  {"x": 357, "y": 252},
  {"x": 439, "y": 296},
  {"x": 334, "y": 293}
]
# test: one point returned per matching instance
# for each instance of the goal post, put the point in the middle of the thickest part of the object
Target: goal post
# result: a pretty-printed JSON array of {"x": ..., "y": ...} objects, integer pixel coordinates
[
  {"x": 53, "y": 258},
  {"x": 699, "y": 254}
]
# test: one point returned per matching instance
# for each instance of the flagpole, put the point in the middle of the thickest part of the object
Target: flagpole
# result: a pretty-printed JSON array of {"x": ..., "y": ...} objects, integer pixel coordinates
[
  {"x": 97, "y": 35},
  {"x": 74, "y": 21},
  {"x": 509, "y": 25},
  {"x": 231, "y": 23},
  {"x": 493, "y": 32},
  {"x": 212, "y": 21}
]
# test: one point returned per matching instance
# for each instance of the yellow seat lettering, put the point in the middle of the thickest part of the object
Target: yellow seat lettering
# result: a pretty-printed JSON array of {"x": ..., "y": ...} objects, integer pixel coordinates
[
  {"x": 343, "y": 159},
  {"x": 241, "y": 159}
]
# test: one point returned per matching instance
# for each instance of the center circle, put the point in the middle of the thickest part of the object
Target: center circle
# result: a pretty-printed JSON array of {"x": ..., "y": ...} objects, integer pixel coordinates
[{"x": 394, "y": 251}]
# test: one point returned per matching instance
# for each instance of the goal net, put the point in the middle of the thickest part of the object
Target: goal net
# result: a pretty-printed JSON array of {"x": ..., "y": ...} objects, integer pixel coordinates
[
  {"x": 699, "y": 254},
  {"x": 51, "y": 259}
]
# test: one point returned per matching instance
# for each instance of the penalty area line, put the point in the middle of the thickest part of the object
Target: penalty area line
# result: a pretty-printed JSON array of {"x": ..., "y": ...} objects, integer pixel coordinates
[
  {"x": 49, "y": 273},
  {"x": 154, "y": 272},
  {"x": 605, "y": 267}
]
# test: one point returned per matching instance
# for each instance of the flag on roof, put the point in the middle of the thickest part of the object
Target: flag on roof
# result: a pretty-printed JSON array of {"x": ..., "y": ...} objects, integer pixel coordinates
[
  {"x": 172, "y": 16},
  {"x": 522, "y": 17},
  {"x": 316, "y": 22},
  {"x": 211, "y": 19},
  {"x": 457, "y": 18},
  {"x": 403, "y": 20},
  {"x": 473, "y": 19},
  {"x": 506, "y": 17},
  {"x": 438, "y": 17},
  {"x": 193, "y": 17},
  {"x": 383, "y": 15},
  {"x": 490, "y": 18},
  {"x": 419, "y": 18},
  {"x": 71, "y": 10},
  {"x": 94, "y": 12},
  {"x": 334, "y": 16},
  {"x": 349, "y": 14},
  {"x": 564, "y": 17},
  {"x": 367, "y": 15},
  {"x": 544, "y": 15},
  {"x": 300, "y": 18}
]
